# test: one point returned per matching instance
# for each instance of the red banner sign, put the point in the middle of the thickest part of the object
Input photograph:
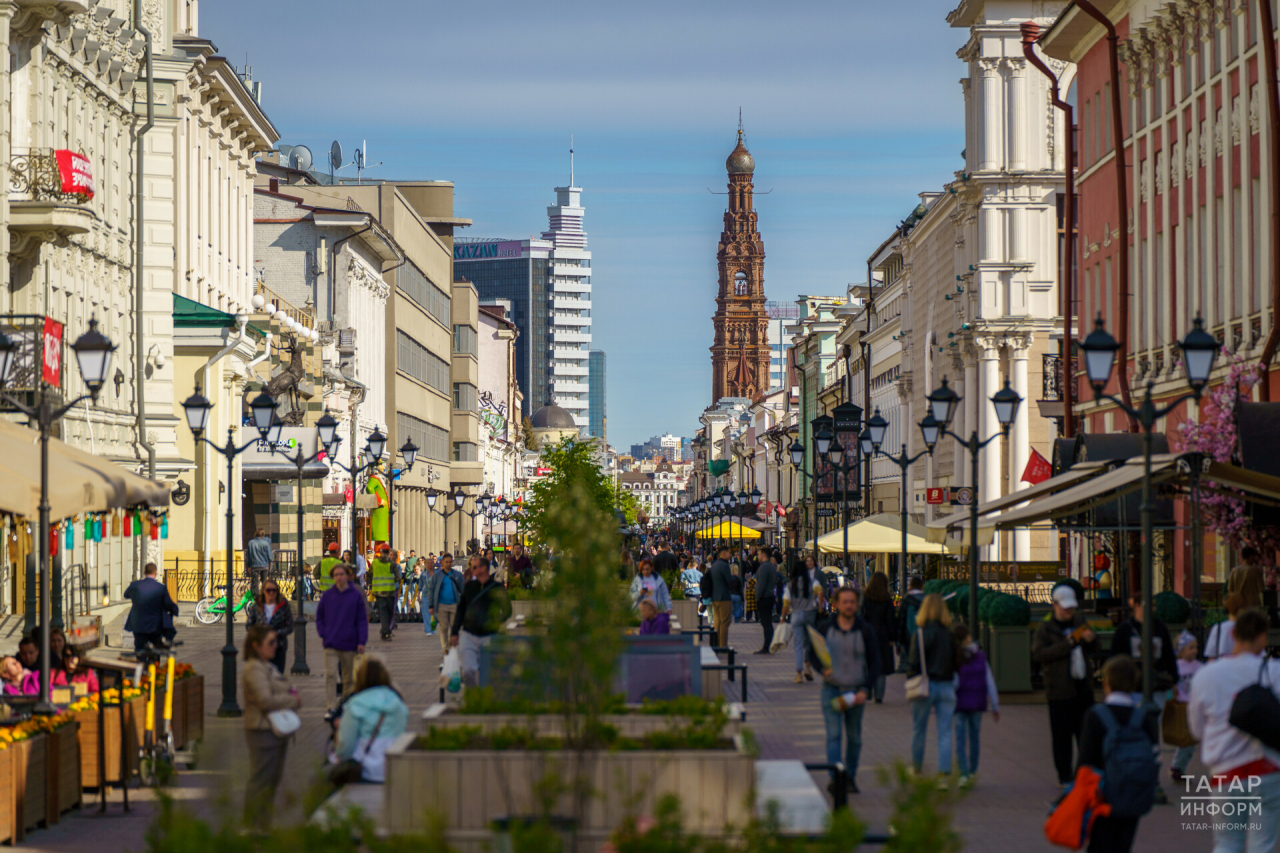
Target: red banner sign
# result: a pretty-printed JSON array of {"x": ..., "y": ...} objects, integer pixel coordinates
[
  {"x": 935, "y": 496},
  {"x": 51, "y": 358},
  {"x": 76, "y": 173}
]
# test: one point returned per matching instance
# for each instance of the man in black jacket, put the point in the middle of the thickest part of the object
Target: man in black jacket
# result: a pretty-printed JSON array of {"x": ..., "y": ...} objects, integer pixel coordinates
[
  {"x": 481, "y": 611},
  {"x": 766, "y": 582},
  {"x": 151, "y": 605},
  {"x": 721, "y": 596},
  {"x": 1128, "y": 642},
  {"x": 665, "y": 563},
  {"x": 848, "y": 675}
]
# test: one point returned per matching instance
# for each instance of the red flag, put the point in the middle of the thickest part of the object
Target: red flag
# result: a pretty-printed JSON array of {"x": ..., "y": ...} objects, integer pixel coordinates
[{"x": 1038, "y": 469}]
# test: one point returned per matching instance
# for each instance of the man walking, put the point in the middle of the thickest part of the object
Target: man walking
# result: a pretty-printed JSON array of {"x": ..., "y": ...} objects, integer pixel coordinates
[
  {"x": 521, "y": 566},
  {"x": 257, "y": 555},
  {"x": 722, "y": 596},
  {"x": 1241, "y": 769},
  {"x": 342, "y": 622},
  {"x": 151, "y": 605},
  {"x": 383, "y": 578},
  {"x": 665, "y": 563},
  {"x": 847, "y": 679},
  {"x": 444, "y": 590},
  {"x": 766, "y": 581},
  {"x": 483, "y": 608},
  {"x": 1061, "y": 646}
]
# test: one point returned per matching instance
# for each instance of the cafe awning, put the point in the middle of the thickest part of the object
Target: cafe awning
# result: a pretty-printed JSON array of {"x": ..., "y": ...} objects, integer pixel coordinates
[
  {"x": 727, "y": 530},
  {"x": 882, "y": 534}
]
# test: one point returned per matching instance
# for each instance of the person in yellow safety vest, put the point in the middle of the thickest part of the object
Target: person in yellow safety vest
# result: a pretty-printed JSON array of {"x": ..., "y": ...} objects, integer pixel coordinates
[
  {"x": 383, "y": 581},
  {"x": 324, "y": 580}
]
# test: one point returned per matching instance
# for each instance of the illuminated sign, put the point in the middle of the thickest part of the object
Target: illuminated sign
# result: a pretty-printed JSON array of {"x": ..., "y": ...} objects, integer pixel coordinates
[{"x": 481, "y": 251}]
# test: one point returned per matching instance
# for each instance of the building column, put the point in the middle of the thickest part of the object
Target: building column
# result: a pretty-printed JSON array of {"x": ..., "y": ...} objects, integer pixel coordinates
[
  {"x": 992, "y": 111},
  {"x": 989, "y": 456},
  {"x": 1016, "y": 109},
  {"x": 1020, "y": 449}
]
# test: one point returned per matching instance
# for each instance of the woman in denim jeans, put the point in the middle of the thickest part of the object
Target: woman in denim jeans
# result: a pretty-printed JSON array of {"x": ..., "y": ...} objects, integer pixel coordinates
[
  {"x": 933, "y": 632},
  {"x": 800, "y": 599}
]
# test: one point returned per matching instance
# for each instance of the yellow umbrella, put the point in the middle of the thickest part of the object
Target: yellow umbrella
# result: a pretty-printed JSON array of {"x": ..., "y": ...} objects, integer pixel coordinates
[
  {"x": 727, "y": 530},
  {"x": 882, "y": 534}
]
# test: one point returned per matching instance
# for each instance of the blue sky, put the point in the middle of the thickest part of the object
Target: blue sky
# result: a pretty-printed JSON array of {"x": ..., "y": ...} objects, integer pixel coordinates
[{"x": 851, "y": 109}]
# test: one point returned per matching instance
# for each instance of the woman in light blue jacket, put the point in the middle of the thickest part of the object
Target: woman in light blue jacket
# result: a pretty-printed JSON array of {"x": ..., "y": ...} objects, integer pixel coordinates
[
  {"x": 649, "y": 584},
  {"x": 372, "y": 718}
]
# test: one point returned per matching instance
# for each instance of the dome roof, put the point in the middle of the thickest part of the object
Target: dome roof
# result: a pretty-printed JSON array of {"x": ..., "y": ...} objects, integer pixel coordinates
[
  {"x": 552, "y": 416},
  {"x": 740, "y": 161}
]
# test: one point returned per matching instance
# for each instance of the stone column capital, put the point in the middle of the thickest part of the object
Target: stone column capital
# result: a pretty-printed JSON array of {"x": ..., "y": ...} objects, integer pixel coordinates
[{"x": 987, "y": 346}]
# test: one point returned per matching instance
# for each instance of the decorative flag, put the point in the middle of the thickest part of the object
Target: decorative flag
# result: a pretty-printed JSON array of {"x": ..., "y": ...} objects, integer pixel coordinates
[
  {"x": 88, "y": 528},
  {"x": 164, "y": 527},
  {"x": 53, "y": 541},
  {"x": 128, "y": 525},
  {"x": 155, "y": 530},
  {"x": 97, "y": 529},
  {"x": 70, "y": 536},
  {"x": 115, "y": 523},
  {"x": 1038, "y": 469}
]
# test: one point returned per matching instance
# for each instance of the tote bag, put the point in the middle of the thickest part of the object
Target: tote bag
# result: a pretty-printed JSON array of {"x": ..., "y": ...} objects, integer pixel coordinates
[{"x": 918, "y": 685}]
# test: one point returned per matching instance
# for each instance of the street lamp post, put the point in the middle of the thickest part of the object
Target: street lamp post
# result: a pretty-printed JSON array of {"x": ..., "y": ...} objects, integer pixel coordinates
[
  {"x": 459, "y": 498},
  {"x": 871, "y": 439},
  {"x": 942, "y": 407},
  {"x": 839, "y": 459},
  {"x": 797, "y": 462},
  {"x": 1199, "y": 350},
  {"x": 263, "y": 407},
  {"x": 93, "y": 356}
]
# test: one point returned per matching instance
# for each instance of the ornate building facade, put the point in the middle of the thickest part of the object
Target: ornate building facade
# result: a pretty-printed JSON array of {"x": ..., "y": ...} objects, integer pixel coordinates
[{"x": 740, "y": 354}]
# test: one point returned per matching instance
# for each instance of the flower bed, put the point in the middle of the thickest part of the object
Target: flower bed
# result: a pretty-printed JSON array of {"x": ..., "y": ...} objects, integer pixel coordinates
[{"x": 632, "y": 721}]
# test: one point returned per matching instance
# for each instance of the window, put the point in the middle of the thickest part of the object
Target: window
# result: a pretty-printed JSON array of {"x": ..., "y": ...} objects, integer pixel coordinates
[
  {"x": 464, "y": 451},
  {"x": 424, "y": 292},
  {"x": 464, "y": 397},
  {"x": 464, "y": 340},
  {"x": 432, "y": 441},
  {"x": 420, "y": 363}
]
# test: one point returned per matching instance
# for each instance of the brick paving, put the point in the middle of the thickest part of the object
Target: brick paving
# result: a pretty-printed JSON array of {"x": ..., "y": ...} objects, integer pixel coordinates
[{"x": 1005, "y": 811}]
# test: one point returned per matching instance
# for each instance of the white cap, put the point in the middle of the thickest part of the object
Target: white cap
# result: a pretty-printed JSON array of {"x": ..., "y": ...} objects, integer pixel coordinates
[{"x": 1065, "y": 597}]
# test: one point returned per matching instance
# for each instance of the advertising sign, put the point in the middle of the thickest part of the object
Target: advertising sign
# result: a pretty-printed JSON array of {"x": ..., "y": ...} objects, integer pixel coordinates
[
  {"x": 293, "y": 440},
  {"x": 962, "y": 496},
  {"x": 935, "y": 496},
  {"x": 76, "y": 173},
  {"x": 51, "y": 358}
]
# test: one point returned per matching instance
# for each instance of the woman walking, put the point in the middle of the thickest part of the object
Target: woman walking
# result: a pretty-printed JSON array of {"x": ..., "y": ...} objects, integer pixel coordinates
[
  {"x": 800, "y": 599},
  {"x": 877, "y": 609},
  {"x": 932, "y": 639},
  {"x": 272, "y": 610},
  {"x": 648, "y": 584},
  {"x": 265, "y": 690},
  {"x": 372, "y": 718}
]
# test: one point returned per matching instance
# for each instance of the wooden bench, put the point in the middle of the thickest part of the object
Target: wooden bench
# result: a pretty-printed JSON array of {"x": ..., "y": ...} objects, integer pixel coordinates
[{"x": 802, "y": 809}]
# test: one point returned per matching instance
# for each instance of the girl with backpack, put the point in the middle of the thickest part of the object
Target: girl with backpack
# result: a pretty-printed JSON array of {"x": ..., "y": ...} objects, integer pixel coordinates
[{"x": 975, "y": 689}]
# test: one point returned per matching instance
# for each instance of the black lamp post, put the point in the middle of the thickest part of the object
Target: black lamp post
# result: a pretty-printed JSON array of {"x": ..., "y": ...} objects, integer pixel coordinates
[
  {"x": 797, "y": 462},
  {"x": 871, "y": 439},
  {"x": 93, "y": 356},
  {"x": 263, "y": 409},
  {"x": 1199, "y": 350},
  {"x": 943, "y": 403},
  {"x": 459, "y": 498}
]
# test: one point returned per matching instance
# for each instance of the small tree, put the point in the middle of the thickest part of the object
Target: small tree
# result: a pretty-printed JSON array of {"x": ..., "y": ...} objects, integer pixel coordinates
[{"x": 571, "y": 462}]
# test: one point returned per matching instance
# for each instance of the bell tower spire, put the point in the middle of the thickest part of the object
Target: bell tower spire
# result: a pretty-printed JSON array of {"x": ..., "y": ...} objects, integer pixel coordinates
[{"x": 740, "y": 353}]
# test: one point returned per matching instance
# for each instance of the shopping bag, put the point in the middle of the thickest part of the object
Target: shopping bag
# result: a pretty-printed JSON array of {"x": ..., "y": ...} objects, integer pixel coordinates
[
  {"x": 781, "y": 637},
  {"x": 1173, "y": 726},
  {"x": 451, "y": 674}
]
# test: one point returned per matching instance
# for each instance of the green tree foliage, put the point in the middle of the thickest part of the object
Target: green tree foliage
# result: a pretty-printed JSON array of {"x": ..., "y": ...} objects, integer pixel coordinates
[{"x": 571, "y": 462}]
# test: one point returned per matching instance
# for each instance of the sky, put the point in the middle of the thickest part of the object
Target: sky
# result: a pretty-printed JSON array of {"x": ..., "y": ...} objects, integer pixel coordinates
[{"x": 851, "y": 109}]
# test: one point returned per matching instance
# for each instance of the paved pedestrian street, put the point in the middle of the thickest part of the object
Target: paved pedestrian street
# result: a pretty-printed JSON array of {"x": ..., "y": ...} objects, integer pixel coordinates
[{"x": 1005, "y": 811}]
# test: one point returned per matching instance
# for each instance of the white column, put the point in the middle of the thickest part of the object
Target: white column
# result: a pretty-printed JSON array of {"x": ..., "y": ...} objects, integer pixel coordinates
[
  {"x": 1016, "y": 109},
  {"x": 1020, "y": 451},
  {"x": 971, "y": 392},
  {"x": 992, "y": 109},
  {"x": 989, "y": 457}
]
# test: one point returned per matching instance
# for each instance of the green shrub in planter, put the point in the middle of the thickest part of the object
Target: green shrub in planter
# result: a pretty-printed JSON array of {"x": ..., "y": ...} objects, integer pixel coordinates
[
  {"x": 1171, "y": 608},
  {"x": 931, "y": 586},
  {"x": 960, "y": 604},
  {"x": 1009, "y": 610},
  {"x": 984, "y": 604}
]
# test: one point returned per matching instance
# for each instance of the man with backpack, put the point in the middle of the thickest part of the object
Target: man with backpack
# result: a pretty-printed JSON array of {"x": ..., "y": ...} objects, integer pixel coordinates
[
  {"x": 1240, "y": 765},
  {"x": 1119, "y": 737}
]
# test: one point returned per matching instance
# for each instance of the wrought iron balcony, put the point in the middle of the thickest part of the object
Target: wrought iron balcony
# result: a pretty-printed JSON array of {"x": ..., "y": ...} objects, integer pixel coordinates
[
  {"x": 1052, "y": 378},
  {"x": 34, "y": 176}
]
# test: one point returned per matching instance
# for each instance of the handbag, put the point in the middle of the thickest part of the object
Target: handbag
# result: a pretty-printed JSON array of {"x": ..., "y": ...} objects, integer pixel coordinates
[
  {"x": 1256, "y": 710},
  {"x": 351, "y": 770},
  {"x": 918, "y": 685},
  {"x": 284, "y": 722},
  {"x": 781, "y": 637},
  {"x": 1174, "y": 729}
]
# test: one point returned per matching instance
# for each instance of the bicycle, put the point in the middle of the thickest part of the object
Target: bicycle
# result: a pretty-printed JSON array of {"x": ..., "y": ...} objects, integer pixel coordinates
[{"x": 210, "y": 610}]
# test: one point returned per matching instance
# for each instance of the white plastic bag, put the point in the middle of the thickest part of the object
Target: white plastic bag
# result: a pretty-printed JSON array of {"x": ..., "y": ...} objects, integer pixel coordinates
[
  {"x": 781, "y": 637},
  {"x": 451, "y": 673}
]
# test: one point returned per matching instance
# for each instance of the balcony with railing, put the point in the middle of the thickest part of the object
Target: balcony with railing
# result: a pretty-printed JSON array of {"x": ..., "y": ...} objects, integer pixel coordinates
[
  {"x": 40, "y": 208},
  {"x": 1052, "y": 381},
  {"x": 306, "y": 316}
]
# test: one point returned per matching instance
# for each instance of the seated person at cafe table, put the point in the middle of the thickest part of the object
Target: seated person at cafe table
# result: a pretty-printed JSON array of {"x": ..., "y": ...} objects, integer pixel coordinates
[
  {"x": 18, "y": 680},
  {"x": 651, "y": 621}
]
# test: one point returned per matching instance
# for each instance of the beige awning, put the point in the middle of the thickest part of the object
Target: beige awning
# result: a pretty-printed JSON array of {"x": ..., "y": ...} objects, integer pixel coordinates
[
  {"x": 939, "y": 529},
  {"x": 881, "y": 534}
]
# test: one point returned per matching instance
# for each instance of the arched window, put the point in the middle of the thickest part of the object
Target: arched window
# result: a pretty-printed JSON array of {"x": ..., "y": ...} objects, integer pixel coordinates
[{"x": 740, "y": 283}]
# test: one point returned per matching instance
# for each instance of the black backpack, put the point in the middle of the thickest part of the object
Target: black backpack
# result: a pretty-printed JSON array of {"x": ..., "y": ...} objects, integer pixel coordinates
[
  {"x": 706, "y": 586},
  {"x": 1132, "y": 773},
  {"x": 1256, "y": 711}
]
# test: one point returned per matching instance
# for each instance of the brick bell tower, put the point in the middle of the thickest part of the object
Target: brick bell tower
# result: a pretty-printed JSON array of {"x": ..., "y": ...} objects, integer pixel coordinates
[{"x": 740, "y": 354}]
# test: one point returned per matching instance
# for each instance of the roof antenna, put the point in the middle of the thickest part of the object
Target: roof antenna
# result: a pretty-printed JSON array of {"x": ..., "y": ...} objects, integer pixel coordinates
[{"x": 571, "y": 159}]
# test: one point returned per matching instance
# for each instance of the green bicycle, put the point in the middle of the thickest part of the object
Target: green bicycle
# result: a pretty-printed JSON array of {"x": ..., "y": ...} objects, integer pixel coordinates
[{"x": 211, "y": 610}]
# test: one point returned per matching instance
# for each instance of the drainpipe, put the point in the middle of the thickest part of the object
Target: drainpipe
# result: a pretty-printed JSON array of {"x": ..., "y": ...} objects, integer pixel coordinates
[
  {"x": 206, "y": 461},
  {"x": 1122, "y": 201},
  {"x": 139, "y": 348},
  {"x": 1066, "y": 282},
  {"x": 1272, "y": 92}
]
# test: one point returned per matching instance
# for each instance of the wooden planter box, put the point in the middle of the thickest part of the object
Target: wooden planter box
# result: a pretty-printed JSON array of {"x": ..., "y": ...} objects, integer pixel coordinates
[
  {"x": 64, "y": 791},
  {"x": 177, "y": 722},
  {"x": 134, "y": 711},
  {"x": 686, "y": 613},
  {"x": 471, "y": 788},
  {"x": 528, "y": 608},
  {"x": 628, "y": 725},
  {"x": 1010, "y": 656},
  {"x": 194, "y": 729},
  {"x": 30, "y": 782},
  {"x": 8, "y": 798}
]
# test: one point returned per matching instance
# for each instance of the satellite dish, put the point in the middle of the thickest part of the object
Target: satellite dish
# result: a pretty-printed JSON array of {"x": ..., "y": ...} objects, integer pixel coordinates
[
  {"x": 284, "y": 152},
  {"x": 335, "y": 155},
  {"x": 300, "y": 158}
]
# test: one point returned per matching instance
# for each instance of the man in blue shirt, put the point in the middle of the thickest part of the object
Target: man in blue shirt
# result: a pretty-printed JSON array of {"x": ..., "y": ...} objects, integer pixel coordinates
[{"x": 444, "y": 590}]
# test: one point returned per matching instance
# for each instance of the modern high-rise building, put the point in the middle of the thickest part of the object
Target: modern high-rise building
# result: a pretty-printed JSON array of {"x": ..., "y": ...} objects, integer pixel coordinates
[
  {"x": 598, "y": 426},
  {"x": 782, "y": 317},
  {"x": 548, "y": 283}
]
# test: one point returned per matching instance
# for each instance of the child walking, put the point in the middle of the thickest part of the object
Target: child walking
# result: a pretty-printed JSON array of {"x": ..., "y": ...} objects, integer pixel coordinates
[
  {"x": 1187, "y": 650},
  {"x": 975, "y": 689}
]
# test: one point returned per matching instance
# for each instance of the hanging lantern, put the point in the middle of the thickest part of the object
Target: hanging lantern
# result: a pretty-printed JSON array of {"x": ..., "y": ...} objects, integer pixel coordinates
[
  {"x": 69, "y": 537},
  {"x": 53, "y": 541},
  {"x": 137, "y": 523},
  {"x": 164, "y": 526},
  {"x": 128, "y": 525},
  {"x": 155, "y": 529},
  {"x": 98, "y": 529},
  {"x": 88, "y": 528},
  {"x": 115, "y": 523}
]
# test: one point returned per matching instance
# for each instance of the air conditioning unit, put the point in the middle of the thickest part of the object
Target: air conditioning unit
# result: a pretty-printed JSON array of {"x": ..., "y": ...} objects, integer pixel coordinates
[{"x": 346, "y": 342}]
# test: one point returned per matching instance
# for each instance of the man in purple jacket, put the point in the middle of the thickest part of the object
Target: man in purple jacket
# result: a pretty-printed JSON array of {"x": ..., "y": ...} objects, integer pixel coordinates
[{"x": 342, "y": 621}]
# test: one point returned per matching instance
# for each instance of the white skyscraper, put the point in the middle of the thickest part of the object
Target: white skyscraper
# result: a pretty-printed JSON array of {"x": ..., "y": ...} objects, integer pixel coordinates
[{"x": 570, "y": 298}]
